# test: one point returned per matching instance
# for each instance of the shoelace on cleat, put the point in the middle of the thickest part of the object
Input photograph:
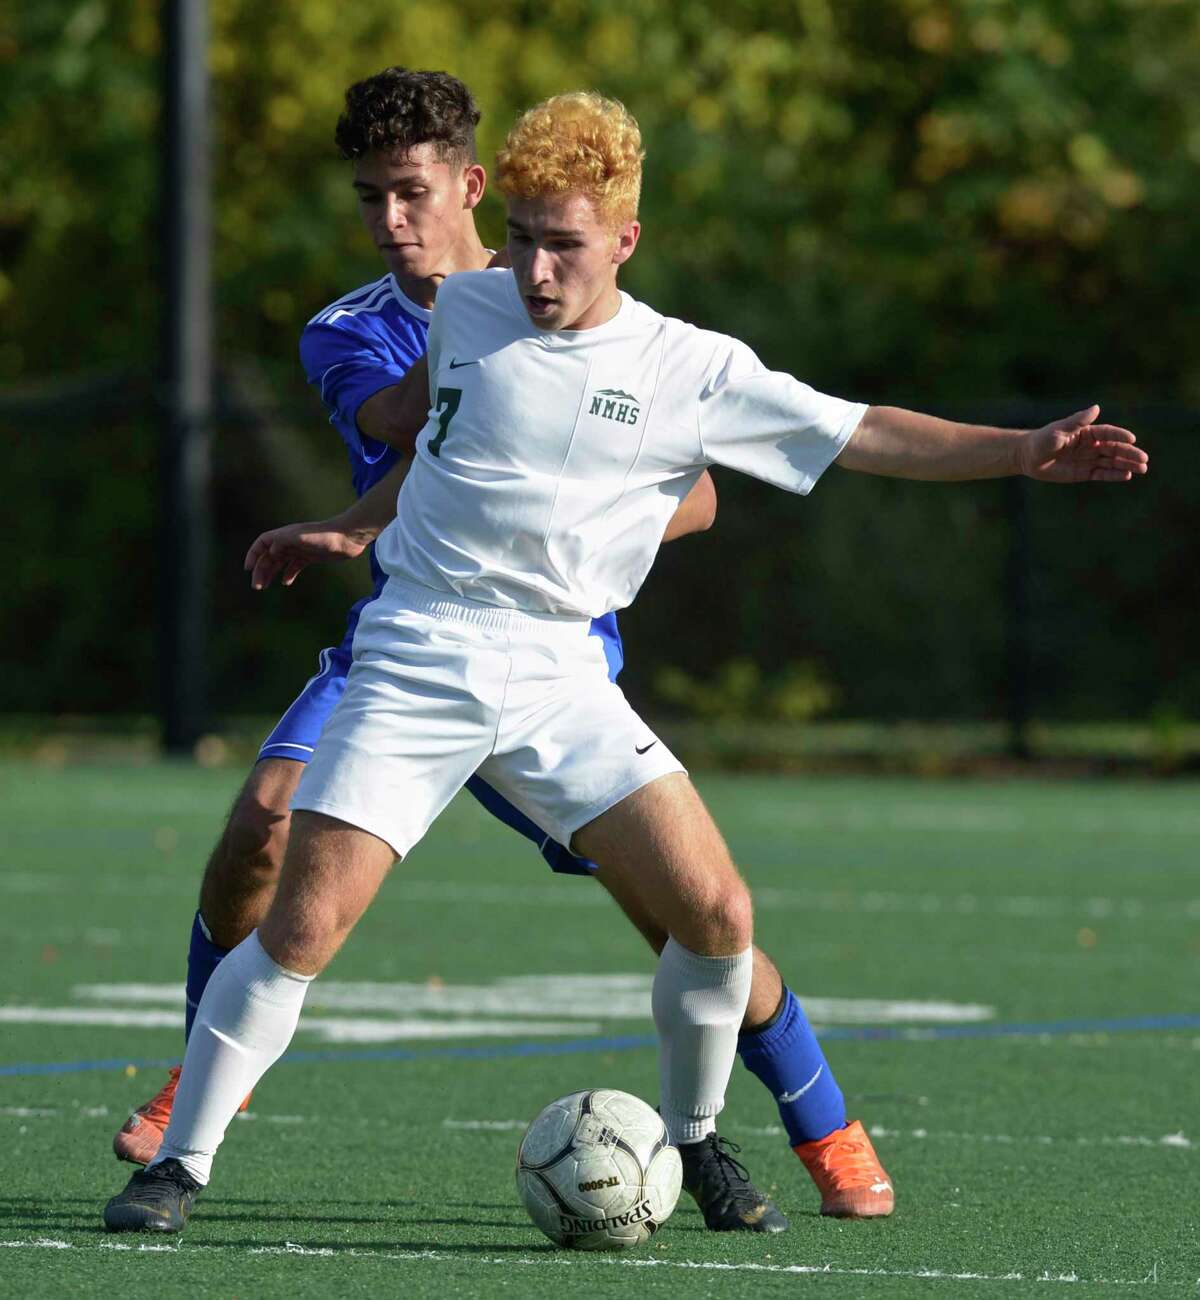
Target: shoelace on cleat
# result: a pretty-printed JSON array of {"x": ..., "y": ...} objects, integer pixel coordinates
[
  {"x": 734, "y": 1174},
  {"x": 170, "y": 1172},
  {"x": 849, "y": 1164}
]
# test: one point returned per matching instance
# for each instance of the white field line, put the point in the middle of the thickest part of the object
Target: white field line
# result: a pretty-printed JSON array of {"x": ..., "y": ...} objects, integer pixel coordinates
[
  {"x": 249, "y": 1116},
  {"x": 561, "y": 894},
  {"x": 903, "y": 814},
  {"x": 394, "y": 1031},
  {"x": 603, "y": 997},
  {"x": 1023, "y": 906},
  {"x": 103, "y": 1112},
  {"x": 327, "y": 1030},
  {"x": 115, "y": 1019},
  {"x": 563, "y": 1259},
  {"x": 979, "y": 819},
  {"x": 487, "y": 1125},
  {"x": 1169, "y": 1141}
]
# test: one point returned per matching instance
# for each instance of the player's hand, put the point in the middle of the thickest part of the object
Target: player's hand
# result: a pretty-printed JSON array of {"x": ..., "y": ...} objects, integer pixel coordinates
[
  {"x": 285, "y": 552},
  {"x": 1078, "y": 450}
]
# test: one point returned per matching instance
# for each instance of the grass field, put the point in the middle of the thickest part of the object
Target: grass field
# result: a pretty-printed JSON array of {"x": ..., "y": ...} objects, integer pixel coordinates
[{"x": 1006, "y": 974}]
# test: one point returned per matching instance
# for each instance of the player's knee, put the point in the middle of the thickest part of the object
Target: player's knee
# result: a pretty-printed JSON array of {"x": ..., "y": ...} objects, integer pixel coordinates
[
  {"x": 737, "y": 916},
  {"x": 255, "y": 837},
  {"x": 303, "y": 934},
  {"x": 304, "y": 951},
  {"x": 299, "y": 937},
  {"x": 723, "y": 916}
]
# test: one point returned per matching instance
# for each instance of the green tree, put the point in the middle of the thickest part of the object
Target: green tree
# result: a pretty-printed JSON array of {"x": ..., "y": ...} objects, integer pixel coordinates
[{"x": 944, "y": 202}]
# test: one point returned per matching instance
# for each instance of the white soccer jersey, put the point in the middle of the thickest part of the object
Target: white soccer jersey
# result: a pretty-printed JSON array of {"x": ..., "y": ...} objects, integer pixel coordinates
[{"x": 553, "y": 461}]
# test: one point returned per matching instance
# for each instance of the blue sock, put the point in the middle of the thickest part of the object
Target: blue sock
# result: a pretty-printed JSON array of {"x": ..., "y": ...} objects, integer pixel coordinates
[
  {"x": 788, "y": 1059},
  {"x": 204, "y": 957}
]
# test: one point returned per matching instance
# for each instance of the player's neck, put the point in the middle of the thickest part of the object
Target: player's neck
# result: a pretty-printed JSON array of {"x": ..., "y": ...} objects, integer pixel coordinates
[
  {"x": 468, "y": 254},
  {"x": 605, "y": 307}
]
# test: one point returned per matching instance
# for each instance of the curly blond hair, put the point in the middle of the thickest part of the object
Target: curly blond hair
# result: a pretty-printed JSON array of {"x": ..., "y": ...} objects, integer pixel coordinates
[{"x": 577, "y": 142}]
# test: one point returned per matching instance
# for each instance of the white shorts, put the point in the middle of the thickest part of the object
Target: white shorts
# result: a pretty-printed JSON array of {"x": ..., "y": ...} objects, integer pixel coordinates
[{"x": 442, "y": 687}]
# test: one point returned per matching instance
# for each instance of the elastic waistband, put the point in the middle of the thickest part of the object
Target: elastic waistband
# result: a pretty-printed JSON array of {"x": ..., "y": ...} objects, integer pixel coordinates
[{"x": 495, "y": 618}]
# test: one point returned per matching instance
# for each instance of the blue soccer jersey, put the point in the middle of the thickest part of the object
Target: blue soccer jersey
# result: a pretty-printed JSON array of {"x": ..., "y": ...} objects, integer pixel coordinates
[{"x": 366, "y": 341}]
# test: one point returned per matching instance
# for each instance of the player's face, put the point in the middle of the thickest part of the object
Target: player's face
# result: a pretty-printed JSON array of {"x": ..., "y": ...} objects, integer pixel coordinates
[
  {"x": 565, "y": 260},
  {"x": 417, "y": 208}
]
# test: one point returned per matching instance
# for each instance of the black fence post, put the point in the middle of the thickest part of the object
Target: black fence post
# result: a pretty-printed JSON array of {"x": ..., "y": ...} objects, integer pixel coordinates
[{"x": 186, "y": 374}]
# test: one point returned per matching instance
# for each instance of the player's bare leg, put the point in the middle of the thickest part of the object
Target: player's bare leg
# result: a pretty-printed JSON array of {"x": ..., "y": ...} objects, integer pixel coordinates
[
  {"x": 235, "y": 893},
  {"x": 663, "y": 838},
  {"x": 243, "y": 870},
  {"x": 250, "y": 1009},
  {"x": 331, "y": 873},
  {"x": 663, "y": 854},
  {"x": 838, "y": 1155}
]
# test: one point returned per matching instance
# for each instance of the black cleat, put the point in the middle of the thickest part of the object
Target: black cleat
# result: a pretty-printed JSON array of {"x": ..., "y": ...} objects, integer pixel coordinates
[
  {"x": 158, "y": 1199},
  {"x": 721, "y": 1187}
]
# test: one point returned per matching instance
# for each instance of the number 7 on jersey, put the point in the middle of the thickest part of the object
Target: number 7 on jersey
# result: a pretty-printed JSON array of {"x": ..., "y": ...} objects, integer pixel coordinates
[{"x": 446, "y": 404}]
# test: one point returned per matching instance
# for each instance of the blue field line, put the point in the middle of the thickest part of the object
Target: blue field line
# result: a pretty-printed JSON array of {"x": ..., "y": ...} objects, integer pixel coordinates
[
  {"x": 628, "y": 1042},
  {"x": 1029, "y": 1029}
]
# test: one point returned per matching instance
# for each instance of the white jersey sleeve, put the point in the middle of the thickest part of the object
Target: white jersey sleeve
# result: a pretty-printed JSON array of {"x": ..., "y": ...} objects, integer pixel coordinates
[{"x": 768, "y": 424}]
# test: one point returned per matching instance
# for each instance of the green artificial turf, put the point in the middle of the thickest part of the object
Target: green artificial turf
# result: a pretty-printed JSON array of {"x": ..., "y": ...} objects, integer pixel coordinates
[{"x": 1061, "y": 1159}]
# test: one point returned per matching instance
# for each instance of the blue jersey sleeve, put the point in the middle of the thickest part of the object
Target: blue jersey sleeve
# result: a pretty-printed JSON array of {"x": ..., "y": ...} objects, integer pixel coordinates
[{"x": 347, "y": 368}]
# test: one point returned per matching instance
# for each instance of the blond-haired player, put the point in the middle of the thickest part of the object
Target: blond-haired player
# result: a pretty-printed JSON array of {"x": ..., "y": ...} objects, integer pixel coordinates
[{"x": 567, "y": 422}]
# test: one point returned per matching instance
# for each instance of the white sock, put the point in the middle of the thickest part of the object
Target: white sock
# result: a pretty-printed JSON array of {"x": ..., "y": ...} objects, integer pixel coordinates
[
  {"x": 698, "y": 1005},
  {"x": 245, "y": 1021}
]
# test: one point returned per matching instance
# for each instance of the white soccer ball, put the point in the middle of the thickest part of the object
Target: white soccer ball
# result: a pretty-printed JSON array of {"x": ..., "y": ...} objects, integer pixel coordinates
[{"x": 596, "y": 1171}]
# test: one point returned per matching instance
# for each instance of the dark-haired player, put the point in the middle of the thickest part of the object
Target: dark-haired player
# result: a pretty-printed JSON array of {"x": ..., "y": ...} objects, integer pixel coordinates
[{"x": 411, "y": 138}]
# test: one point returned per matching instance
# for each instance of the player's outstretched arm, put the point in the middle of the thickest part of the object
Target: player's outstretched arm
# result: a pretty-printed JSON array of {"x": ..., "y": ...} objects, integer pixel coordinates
[
  {"x": 286, "y": 552},
  {"x": 906, "y": 444},
  {"x": 696, "y": 512}
]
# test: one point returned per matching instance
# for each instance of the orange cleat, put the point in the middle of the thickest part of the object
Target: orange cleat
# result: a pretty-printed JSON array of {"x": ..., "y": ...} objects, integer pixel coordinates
[
  {"x": 847, "y": 1172},
  {"x": 139, "y": 1138}
]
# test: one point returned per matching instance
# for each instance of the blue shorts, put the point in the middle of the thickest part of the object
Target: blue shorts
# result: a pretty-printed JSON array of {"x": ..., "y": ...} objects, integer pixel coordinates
[{"x": 295, "y": 735}]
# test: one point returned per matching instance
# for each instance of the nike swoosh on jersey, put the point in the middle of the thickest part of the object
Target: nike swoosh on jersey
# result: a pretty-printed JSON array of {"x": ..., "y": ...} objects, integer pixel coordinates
[
  {"x": 645, "y": 748},
  {"x": 785, "y": 1097},
  {"x": 455, "y": 364}
]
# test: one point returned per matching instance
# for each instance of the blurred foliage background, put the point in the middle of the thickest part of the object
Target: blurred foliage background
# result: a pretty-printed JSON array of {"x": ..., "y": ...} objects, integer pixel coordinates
[{"x": 984, "y": 208}]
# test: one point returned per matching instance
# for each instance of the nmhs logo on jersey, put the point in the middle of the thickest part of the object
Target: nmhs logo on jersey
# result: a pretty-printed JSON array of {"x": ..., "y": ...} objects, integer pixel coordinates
[{"x": 613, "y": 404}]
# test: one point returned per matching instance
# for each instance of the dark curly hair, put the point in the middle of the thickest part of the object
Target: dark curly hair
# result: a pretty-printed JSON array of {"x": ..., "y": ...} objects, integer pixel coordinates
[{"x": 400, "y": 109}]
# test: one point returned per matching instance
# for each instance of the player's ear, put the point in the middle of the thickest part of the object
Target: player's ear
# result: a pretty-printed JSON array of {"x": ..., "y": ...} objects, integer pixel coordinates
[
  {"x": 627, "y": 238},
  {"x": 474, "y": 184}
]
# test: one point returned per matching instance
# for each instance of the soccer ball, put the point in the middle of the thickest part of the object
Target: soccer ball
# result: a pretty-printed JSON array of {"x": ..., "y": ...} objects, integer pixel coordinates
[{"x": 596, "y": 1171}]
